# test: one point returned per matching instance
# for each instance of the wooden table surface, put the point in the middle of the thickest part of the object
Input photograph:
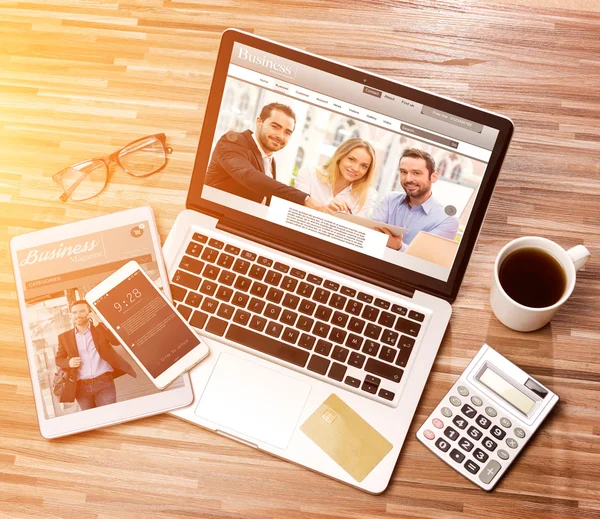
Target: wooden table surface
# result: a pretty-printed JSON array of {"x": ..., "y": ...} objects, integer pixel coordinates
[{"x": 81, "y": 78}]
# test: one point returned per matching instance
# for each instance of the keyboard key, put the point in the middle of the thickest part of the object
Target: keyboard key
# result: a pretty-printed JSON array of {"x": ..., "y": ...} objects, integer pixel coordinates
[
  {"x": 408, "y": 327},
  {"x": 209, "y": 305},
  {"x": 318, "y": 364},
  {"x": 365, "y": 297},
  {"x": 388, "y": 354},
  {"x": 321, "y": 329},
  {"x": 370, "y": 313},
  {"x": 307, "y": 307},
  {"x": 323, "y": 313},
  {"x": 192, "y": 265},
  {"x": 489, "y": 444},
  {"x": 241, "y": 266},
  {"x": 370, "y": 348},
  {"x": 339, "y": 319},
  {"x": 337, "y": 301},
  {"x": 405, "y": 345},
  {"x": 337, "y": 335},
  {"x": 331, "y": 285},
  {"x": 457, "y": 456},
  {"x": 369, "y": 388},
  {"x": 290, "y": 335},
  {"x": 211, "y": 271},
  {"x": 307, "y": 341},
  {"x": 382, "y": 303},
  {"x": 468, "y": 411},
  {"x": 497, "y": 433},
  {"x": 321, "y": 295},
  {"x": 288, "y": 317},
  {"x": 256, "y": 305},
  {"x": 381, "y": 369},
  {"x": 216, "y": 243},
  {"x": 216, "y": 326},
  {"x": 305, "y": 323},
  {"x": 186, "y": 279},
  {"x": 340, "y": 354},
  {"x": 483, "y": 422},
  {"x": 356, "y": 325},
  {"x": 193, "y": 299},
  {"x": 323, "y": 347},
  {"x": 389, "y": 337},
  {"x": 354, "y": 307},
  {"x": 315, "y": 280},
  {"x": 194, "y": 249},
  {"x": 210, "y": 255},
  {"x": 289, "y": 283},
  {"x": 460, "y": 422},
  {"x": 198, "y": 319},
  {"x": 305, "y": 290},
  {"x": 386, "y": 319},
  {"x": 400, "y": 310},
  {"x": 259, "y": 289},
  {"x": 373, "y": 331},
  {"x": 290, "y": 301},
  {"x": 451, "y": 433},
  {"x": 264, "y": 261},
  {"x": 200, "y": 238},
  {"x": 466, "y": 445},
  {"x": 337, "y": 371},
  {"x": 232, "y": 249},
  {"x": 274, "y": 329},
  {"x": 356, "y": 359},
  {"x": 208, "y": 287},
  {"x": 474, "y": 433},
  {"x": 260, "y": 342},
  {"x": 472, "y": 467},
  {"x": 243, "y": 283},
  {"x": 347, "y": 291},
  {"x": 272, "y": 311},
  {"x": 225, "y": 311},
  {"x": 417, "y": 316},
  {"x": 388, "y": 395},
  {"x": 250, "y": 256},
  {"x": 224, "y": 294},
  {"x": 258, "y": 322},
  {"x": 226, "y": 278},
  {"x": 351, "y": 381},
  {"x": 274, "y": 295},
  {"x": 297, "y": 273},
  {"x": 480, "y": 455},
  {"x": 281, "y": 267},
  {"x": 178, "y": 293},
  {"x": 257, "y": 272},
  {"x": 240, "y": 299},
  {"x": 273, "y": 278},
  {"x": 442, "y": 444},
  {"x": 184, "y": 311},
  {"x": 354, "y": 341}
]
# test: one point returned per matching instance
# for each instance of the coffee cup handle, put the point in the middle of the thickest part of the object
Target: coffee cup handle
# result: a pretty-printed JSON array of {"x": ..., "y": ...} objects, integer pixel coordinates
[{"x": 580, "y": 255}]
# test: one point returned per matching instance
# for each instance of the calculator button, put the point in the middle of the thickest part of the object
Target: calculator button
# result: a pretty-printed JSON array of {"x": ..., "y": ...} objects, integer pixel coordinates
[
  {"x": 519, "y": 433},
  {"x": 490, "y": 471},
  {"x": 475, "y": 400},
  {"x": 474, "y": 433},
  {"x": 466, "y": 445},
  {"x": 462, "y": 391},
  {"x": 455, "y": 401},
  {"x": 483, "y": 422},
  {"x": 451, "y": 433},
  {"x": 442, "y": 444},
  {"x": 437, "y": 423},
  {"x": 428, "y": 434},
  {"x": 512, "y": 443},
  {"x": 479, "y": 455},
  {"x": 489, "y": 444},
  {"x": 497, "y": 432},
  {"x": 460, "y": 422},
  {"x": 457, "y": 456},
  {"x": 446, "y": 412},
  {"x": 490, "y": 411},
  {"x": 502, "y": 454},
  {"x": 505, "y": 422},
  {"x": 472, "y": 467},
  {"x": 467, "y": 410}
]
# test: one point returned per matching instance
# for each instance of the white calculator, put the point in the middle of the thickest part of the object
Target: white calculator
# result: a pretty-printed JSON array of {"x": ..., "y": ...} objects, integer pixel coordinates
[{"x": 487, "y": 417}]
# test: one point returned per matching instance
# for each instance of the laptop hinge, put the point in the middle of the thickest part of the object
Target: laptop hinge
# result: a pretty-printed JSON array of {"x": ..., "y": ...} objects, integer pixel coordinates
[{"x": 325, "y": 261}]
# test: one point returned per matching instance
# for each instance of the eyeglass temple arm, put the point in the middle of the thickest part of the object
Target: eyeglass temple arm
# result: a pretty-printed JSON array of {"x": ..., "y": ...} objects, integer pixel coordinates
[{"x": 65, "y": 196}]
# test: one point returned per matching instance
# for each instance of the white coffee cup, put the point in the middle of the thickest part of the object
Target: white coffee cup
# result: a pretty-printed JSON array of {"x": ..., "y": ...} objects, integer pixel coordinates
[{"x": 524, "y": 318}]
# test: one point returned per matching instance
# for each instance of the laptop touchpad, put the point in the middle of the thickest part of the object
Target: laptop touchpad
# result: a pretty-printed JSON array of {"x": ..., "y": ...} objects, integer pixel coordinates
[{"x": 244, "y": 397}]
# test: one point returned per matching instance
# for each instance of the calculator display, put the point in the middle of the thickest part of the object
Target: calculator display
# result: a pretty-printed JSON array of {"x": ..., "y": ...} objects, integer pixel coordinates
[{"x": 506, "y": 391}]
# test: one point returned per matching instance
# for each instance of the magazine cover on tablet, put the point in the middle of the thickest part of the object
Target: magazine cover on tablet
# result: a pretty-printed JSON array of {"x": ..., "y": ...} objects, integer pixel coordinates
[{"x": 79, "y": 367}]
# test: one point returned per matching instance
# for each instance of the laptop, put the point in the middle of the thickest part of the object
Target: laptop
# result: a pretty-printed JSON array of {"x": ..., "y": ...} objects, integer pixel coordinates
[{"x": 295, "y": 303}]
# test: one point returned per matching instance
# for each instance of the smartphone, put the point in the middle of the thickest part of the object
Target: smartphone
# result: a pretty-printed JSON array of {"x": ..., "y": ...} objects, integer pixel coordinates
[{"x": 137, "y": 312}]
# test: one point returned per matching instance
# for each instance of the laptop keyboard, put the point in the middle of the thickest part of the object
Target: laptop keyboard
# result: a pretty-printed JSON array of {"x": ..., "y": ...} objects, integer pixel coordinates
[{"x": 313, "y": 324}]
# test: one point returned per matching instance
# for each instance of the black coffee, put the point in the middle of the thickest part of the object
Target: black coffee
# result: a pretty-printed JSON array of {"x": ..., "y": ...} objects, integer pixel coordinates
[{"x": 532, "y": 277}]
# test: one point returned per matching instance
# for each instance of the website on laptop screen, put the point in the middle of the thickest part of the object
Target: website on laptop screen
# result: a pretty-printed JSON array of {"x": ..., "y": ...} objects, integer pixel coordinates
[{"x": 344, "y": 162}]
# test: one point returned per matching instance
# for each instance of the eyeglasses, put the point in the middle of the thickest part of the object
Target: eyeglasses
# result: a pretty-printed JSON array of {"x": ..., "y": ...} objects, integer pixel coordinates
[{"x": 88, "y": 179}]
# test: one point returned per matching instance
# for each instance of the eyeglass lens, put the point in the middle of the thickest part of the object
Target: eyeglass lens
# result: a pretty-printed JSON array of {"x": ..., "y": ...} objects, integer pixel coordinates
[
  {"x": 87, "y": 179},
  {"x": 143, "y": 157}
]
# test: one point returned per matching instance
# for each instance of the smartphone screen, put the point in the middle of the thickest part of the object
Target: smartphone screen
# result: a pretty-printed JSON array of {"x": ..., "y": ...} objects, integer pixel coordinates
[{"x": 150, "y": 327}]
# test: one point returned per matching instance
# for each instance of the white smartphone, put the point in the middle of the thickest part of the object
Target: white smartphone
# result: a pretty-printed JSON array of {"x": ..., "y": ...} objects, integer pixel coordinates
[{"x": 136, "y": 311}]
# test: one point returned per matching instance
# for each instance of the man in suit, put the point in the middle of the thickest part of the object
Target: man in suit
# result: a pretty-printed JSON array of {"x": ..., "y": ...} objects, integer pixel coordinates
[
  {"x": 87, "y": 349},
  {"x": 243, "y": 163}
]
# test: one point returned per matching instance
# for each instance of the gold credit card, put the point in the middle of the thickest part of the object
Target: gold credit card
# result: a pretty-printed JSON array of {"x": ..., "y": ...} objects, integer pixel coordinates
[{"x": 346, "y": 437}]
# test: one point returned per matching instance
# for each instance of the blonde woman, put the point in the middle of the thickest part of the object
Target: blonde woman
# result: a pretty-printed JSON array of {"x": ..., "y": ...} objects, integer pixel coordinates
[{"x": 344, "y": 182}]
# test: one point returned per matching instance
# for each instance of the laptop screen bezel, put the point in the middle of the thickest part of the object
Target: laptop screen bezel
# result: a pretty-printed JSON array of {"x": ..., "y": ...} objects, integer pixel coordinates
[{"x": 378, "y": 271}]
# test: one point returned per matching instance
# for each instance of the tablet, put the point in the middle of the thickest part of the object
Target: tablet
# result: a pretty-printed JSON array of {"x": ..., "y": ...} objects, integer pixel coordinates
[
  {"x": 54, "y": 269},
  {"x": 371, "y": 224}
]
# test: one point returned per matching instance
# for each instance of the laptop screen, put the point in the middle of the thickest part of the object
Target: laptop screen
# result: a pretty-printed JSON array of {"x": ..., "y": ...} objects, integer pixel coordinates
[{"x": 359, "y": 167}]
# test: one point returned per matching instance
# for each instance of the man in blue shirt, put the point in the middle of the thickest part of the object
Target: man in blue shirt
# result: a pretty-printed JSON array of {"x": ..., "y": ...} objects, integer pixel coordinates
[{"x": 416, "y": 209}]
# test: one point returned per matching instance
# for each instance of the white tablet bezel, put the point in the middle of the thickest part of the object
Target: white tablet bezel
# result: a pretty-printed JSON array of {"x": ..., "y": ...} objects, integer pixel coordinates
[
  {"x": 114, "y": 413},
  {"x": 192, "y": 358}
]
